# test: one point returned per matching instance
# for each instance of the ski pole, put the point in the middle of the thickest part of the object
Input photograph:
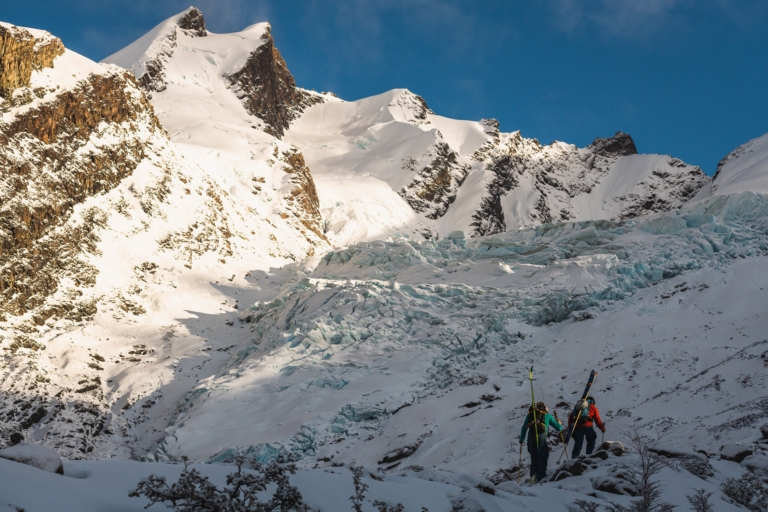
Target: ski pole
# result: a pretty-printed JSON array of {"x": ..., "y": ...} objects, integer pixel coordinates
[
  {"x": 602, "y": 441},
  {"x": 520, "y": 465},
  {"x": 562, "y": 439}
]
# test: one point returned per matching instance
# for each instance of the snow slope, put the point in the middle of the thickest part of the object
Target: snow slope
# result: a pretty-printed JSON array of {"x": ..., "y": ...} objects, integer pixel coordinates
[
  {"x": 744, "y": 169},
  {"x": 448, "y": 328}
]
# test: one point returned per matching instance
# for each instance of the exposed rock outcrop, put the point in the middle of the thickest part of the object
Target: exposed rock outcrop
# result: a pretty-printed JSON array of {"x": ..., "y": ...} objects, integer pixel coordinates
[
  {"x": 268, "y": 90},
  {"x": 302, "y": 201},
  {"x": 153, "y": 79},
  {"x": 193, "y": 23},
  {"x": 620, "y": 144},
  {"x": 414, "y": 106},
  {"x": 21, "y": 53},
  {"x": 435, "y": 185}
]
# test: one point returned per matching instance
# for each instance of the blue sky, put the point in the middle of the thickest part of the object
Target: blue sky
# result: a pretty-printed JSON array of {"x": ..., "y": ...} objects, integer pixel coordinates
[{"x": 684, "y": 77}]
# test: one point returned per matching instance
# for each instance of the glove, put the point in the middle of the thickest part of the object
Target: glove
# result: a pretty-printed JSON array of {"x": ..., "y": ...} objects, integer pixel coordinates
[
  {"x": 602, "y": 429},
  {"x": 522, "y": 441}
]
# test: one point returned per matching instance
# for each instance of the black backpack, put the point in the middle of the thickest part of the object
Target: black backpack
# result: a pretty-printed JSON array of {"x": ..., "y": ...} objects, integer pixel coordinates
[{"x": 537, "y": 426}]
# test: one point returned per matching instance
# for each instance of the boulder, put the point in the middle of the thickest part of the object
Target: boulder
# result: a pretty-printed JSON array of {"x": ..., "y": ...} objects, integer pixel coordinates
[
  {"x": 575, "y": 467},
  {"x": 399, "y": 453},
  {"x": 35, "y": 455},
  {"x": 615, "y": 486},
  {"x": 735, "y": 452},
  {"x": 676, "y": 453},
  {"x": 764, "y": 431},
  {"x": 613, "y": 448},
  {"x": 757, "y": 464}
]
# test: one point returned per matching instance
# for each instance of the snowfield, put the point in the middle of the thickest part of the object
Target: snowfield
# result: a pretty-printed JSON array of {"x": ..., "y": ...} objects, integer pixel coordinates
[{"x": 369, "y": 287}]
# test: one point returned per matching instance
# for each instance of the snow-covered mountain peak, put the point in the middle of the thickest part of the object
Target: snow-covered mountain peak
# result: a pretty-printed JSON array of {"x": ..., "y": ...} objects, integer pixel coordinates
[
  {"x": 409, "y": 107},
  {"x": 743, "y": 169},
  {"x": 151, "y": 57}
]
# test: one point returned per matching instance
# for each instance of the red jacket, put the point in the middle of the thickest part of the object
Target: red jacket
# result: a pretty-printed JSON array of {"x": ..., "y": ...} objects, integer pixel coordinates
[{"x": 594, "y": 414}]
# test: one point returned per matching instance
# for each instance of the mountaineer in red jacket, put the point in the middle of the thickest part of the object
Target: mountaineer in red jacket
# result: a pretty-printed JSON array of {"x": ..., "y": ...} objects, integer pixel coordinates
[{"x": 589, "y": 413}]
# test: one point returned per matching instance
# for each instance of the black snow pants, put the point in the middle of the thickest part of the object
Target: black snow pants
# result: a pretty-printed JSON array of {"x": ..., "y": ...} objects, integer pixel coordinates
[
  {"x": 579, "y": 433},
  {"x": 539, "y": 455}
]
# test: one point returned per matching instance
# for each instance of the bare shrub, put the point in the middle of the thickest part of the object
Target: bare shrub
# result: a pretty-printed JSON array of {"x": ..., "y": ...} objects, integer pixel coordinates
[
  {"x": 748, "y": 491},
  {"x": 360, "y": 488},
  {"x": 193, "y": 492},
  {"x": 700, "y": 501},
  {"x": 651, "y": 463}
]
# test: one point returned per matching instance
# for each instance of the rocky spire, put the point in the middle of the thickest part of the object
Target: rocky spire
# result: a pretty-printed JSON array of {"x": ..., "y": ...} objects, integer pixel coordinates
[
  {"x": 620, "y": 144},
  {"x": 193, "y": 22},
  {"x": 268, "y": 90}
]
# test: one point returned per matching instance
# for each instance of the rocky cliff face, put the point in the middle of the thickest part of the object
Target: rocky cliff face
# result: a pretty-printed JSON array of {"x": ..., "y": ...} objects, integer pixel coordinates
[
  {"x": 21, "y": 53},
  {"x": 434, "y": 186},
  {"x": 563, "y": 175},
  {"x": 193, "y": 23},
  {"x": 48, "y": 169},
  {"x": 101, "y": 220},
  {"x": 268, "y": 90},
  {"x": 302, "y": 202}
]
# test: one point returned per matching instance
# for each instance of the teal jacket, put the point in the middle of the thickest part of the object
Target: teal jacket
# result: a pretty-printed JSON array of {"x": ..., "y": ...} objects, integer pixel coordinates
[{"x": 548, "y": 420}]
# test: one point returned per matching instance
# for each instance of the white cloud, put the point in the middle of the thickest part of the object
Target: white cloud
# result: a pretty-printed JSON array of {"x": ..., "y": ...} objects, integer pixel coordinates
[{"x": 624, "y": 18}]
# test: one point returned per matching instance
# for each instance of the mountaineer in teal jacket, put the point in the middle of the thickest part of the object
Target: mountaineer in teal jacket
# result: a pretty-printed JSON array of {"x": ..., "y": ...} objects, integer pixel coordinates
[{"x": 539, "y": 453}]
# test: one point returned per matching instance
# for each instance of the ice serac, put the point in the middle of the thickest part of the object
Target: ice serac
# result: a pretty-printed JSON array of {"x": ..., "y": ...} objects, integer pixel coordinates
[
  {"x": 743, "y": 169},
  {"x": 268, "y": 90}
]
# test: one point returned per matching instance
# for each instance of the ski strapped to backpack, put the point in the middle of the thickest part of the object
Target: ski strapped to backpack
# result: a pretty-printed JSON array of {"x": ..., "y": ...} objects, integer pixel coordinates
[
  {"x": 533, "y": 406},
  {"x": 577, "y": 412},
  {"x": 538, "y": 424}
]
